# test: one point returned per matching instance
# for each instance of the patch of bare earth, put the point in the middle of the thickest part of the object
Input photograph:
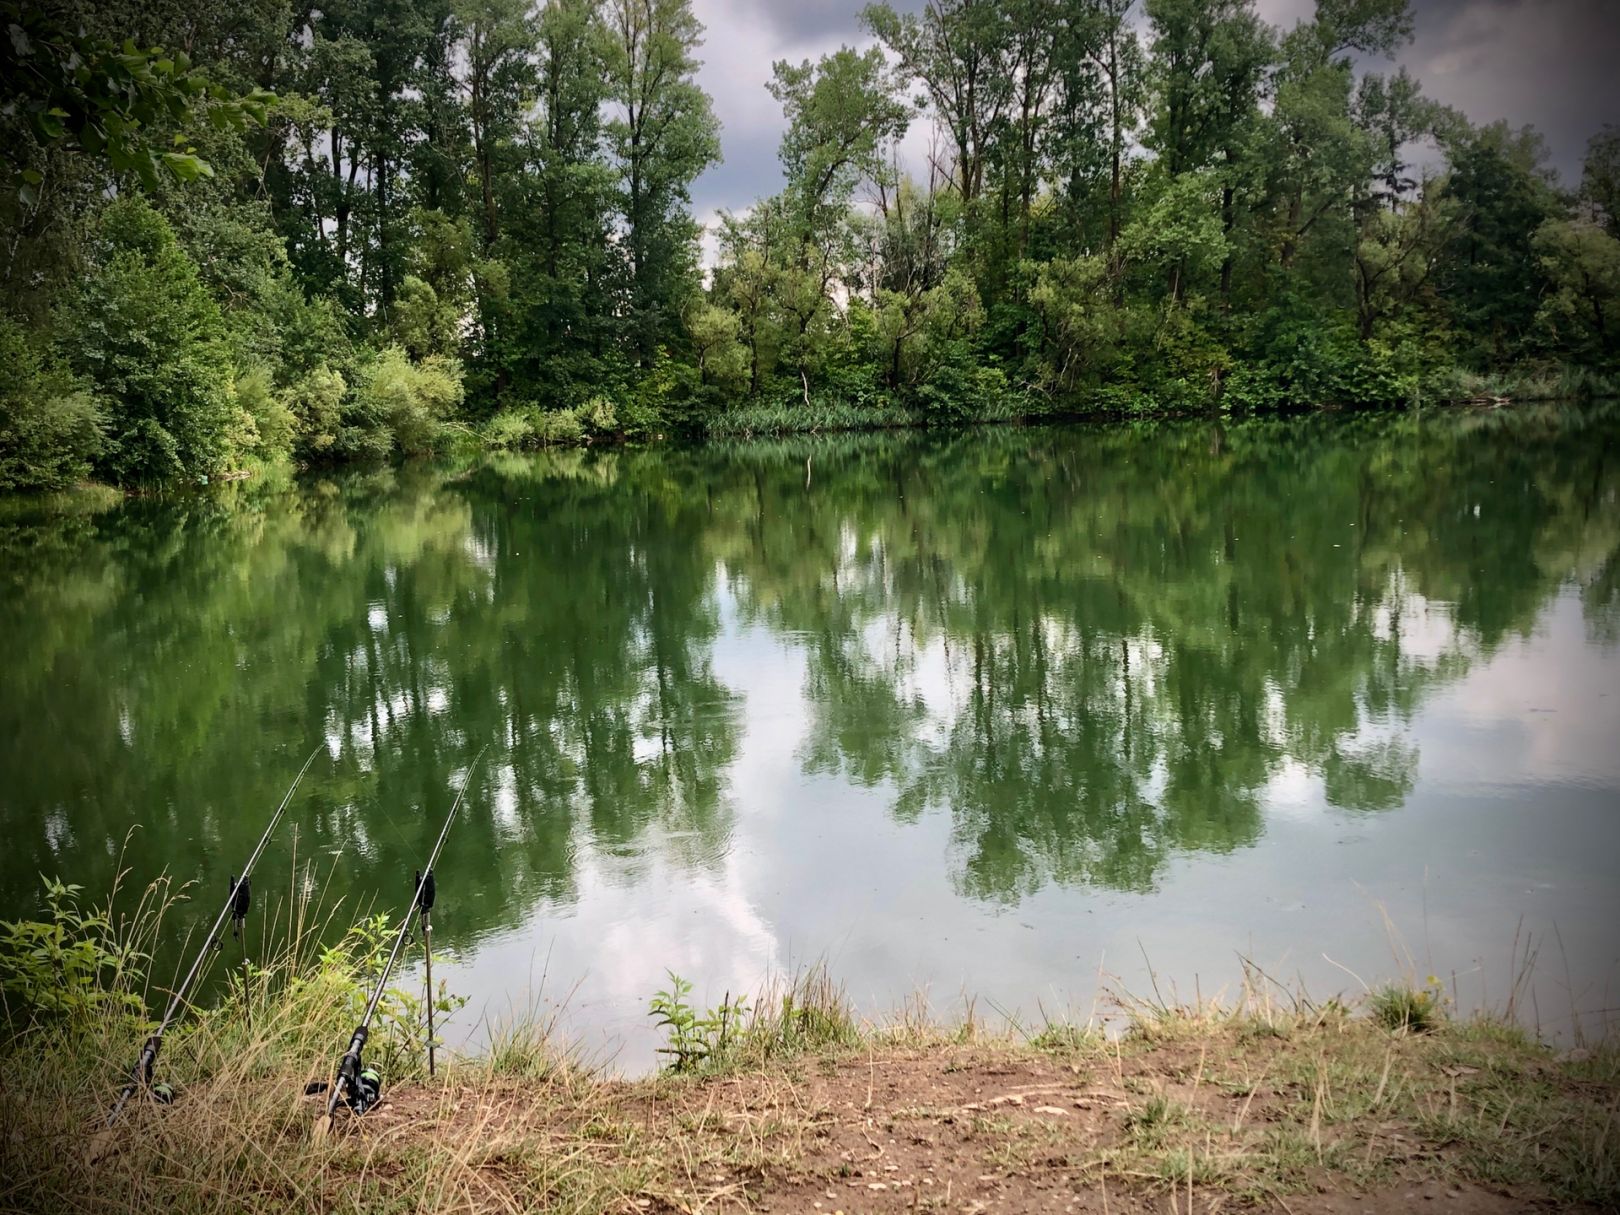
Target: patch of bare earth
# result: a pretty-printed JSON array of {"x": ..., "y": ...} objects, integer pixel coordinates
[{"x": 1223, "y": 1123}]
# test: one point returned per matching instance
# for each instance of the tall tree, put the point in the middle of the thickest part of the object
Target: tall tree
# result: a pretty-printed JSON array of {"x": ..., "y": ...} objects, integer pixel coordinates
[
  {"x": 960, "y": 50},
  {"x": 1102, "y": 80},
  {"x": 842, "y": 113},
  {"x": 496, "y": 40},
  {"x": 663, "y": 135},
  {"x": 1492, "y": 278},
  {"x": 1209, "y": 61},
  {"x": 1600, "y": 177}
]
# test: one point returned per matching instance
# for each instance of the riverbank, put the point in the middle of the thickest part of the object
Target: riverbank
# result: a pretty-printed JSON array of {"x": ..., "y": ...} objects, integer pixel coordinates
[
  {"x": 597, "y": 425},
  {"x": 1106, "y": 405},
  {"x": 1274, "y": 1105},
  {"x": 1285, "y": 1113}
]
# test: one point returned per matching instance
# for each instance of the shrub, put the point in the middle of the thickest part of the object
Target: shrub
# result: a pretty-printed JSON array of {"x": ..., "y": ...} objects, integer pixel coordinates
[
  {"x": 1416, "y": 1009},
  {"x": 409, "y": 402},
  {"x": 599, "y": 416},
  {"x": 536, "y": 427},
  {"x": 695, "y": 1038},
  {"x": 1305, "y": 357},
  {"x": 274, "y": 424},
  {"x": 509, "y": 429},
  {"x": 316, "y": 403},
  {"x": 50, "y": 429},
  {"x": 143, "y": 332},
  {"x": 68, "y": 965},
  {"x": 556, "y": 426}
]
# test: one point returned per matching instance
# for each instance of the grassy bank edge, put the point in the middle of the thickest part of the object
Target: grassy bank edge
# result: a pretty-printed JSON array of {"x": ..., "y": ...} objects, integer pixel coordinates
[
  {"x": 1266, "y": 1096},
  {"x": 823, "y": 416}
]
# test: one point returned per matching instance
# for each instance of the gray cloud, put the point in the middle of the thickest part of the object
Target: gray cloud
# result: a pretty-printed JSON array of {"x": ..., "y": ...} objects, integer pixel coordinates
[{"x": 1549, "y": 63}]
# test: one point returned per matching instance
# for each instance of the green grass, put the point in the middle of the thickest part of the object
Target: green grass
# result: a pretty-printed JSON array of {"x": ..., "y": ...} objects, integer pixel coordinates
[{"x": 1401, "y": 1007}]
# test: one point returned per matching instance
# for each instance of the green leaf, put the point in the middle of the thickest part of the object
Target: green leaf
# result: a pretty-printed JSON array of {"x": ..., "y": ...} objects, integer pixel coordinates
[{"x": 187, "y": 166}]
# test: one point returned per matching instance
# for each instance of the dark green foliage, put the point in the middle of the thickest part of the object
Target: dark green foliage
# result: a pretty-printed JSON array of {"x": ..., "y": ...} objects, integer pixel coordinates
[
  {"x": 148, "y": 339},
  {"x": 1304, "y": 356},
  {"x": 71, "y": 965},
  {"x": 49, "y": 428},
  {"x": 382, "y": 223},
  {"x": 85, "y": 92},
  {"x": 1493, "y": 281}
]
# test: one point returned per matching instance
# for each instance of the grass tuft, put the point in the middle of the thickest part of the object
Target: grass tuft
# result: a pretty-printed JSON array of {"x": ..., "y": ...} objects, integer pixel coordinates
[{"x": 1398, "y": 1007}]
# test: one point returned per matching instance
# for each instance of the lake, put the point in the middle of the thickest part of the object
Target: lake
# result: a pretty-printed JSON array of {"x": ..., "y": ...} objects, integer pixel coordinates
[{"x": 1009, "y": 716}]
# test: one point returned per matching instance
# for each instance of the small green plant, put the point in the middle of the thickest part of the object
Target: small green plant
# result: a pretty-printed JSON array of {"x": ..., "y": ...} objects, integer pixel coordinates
[
  {"x": 1151, "y": 1122},
  {"x": 695, "y": 1039},
  {"x": 1066, "y": 1038},
  {"x": 1415, "y": 1009},
  {"x": 352, "y": 966},
  {"x": 66, "y": 966}
]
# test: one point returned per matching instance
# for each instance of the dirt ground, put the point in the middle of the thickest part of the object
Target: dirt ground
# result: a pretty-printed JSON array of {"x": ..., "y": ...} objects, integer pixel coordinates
[{"x": 975, "y": 1129}]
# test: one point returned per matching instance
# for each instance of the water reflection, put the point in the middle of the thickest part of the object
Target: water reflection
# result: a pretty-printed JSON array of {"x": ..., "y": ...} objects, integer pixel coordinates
[
  {"x": 1096, "y": 649},
  {"x": 1087, "y": 651}
]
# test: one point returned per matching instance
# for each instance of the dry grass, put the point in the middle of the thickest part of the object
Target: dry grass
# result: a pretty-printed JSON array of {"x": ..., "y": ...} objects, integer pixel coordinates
[{"x": 1260, "y": 1101}]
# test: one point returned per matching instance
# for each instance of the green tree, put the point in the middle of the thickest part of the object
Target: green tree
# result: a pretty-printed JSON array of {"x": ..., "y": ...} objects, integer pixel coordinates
[
  {"x": 1582, "y": 308},
  {"x": 1491, "y": 276},
  {"x": 843, "y": 113},
  {"x": 145, "y": 335},
  {"x": 960, "y": 51},
  {"x": 88, "y": 94},
  {"x": 497, "y": 39},
  {"x": 1103, "y": 82},
  {"x": 1600, "y": 177},
  {"x": 664, "y": 136},
  {"x": 49, "y": 426},
  {"x": 1208, "y": 66}
]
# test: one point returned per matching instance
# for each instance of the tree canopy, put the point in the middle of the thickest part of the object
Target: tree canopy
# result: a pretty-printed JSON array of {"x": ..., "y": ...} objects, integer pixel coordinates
[{"x": 486, "y": 206}]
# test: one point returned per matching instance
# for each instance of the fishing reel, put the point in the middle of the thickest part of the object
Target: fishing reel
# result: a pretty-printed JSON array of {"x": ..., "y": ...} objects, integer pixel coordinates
[
  {"x": 357, "y": 1086},
  {"x": 364, "y": 1091}
]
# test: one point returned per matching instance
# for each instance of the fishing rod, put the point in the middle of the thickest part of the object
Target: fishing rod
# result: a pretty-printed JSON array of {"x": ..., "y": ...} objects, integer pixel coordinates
[
  {"x": 237, "y": 902},
  {"x": 354, "y": 1083}
]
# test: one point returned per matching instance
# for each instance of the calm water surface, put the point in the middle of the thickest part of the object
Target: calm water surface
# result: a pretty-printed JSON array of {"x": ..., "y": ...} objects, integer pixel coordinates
[{"x": 1014, "y": 714}]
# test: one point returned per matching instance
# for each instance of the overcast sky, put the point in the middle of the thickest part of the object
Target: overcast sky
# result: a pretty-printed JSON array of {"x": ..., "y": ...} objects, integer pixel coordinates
[{"x": 1551, "y": 63}]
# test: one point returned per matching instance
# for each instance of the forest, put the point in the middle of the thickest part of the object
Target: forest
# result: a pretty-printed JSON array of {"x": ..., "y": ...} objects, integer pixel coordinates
[{"x": 255, "y": 232}]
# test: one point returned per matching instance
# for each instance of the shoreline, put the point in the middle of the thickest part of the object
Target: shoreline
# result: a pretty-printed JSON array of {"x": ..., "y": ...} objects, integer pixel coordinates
[
  {"x": 1274, "y": 1104},
  {"x": 818, "y": 419}
]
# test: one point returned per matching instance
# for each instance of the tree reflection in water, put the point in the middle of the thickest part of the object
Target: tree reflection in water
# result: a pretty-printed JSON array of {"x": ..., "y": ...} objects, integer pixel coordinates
[{"x": 1091, "y": 648}]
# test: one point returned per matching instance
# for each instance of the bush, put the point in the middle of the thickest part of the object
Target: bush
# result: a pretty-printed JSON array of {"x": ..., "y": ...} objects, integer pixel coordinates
[
  {"x": 69, "y": 965},
  {"x": 1302, "y": 358},
  {"x": 316, "y": 403},
  {"x": 531, "y": 426},
  {"x": 557, "y": 426},
  {"x": 599, "y": 416},
  {"x": 274, "y": 424},
  {"x": 143, "y": 332},
  {"x": 405, "y": 404},
  {"x": 50, "y": 429},
  {"x": 508, "y": 430},
  {"x": 1415, "y": 1009}
]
